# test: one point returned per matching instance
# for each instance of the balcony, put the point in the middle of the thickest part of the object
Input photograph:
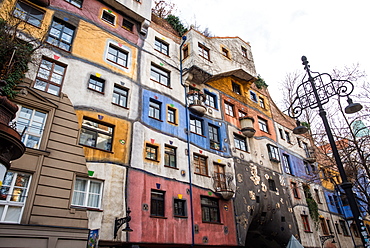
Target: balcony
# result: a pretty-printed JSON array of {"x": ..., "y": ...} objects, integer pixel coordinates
[
  {"x": 310, "y": 154},
  {"x": 196, "y": 102},
  {"x": 246, "y": 124},
  {"x": 223, "y": 185}
]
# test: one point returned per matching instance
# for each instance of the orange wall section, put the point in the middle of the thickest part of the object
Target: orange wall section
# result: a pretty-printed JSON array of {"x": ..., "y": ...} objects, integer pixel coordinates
[{"x": 121, "y": 139}]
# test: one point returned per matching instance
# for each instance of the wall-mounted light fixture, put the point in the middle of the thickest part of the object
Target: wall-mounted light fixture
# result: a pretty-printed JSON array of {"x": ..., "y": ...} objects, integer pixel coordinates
[{"x": 119, "y": 222}]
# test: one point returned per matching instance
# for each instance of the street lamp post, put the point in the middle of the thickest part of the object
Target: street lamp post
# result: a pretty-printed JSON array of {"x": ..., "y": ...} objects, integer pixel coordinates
[{"x": 312, "y": 93}]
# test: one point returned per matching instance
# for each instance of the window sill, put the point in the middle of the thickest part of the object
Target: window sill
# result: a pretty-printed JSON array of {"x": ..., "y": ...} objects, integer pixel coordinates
[
  {"x": 181, "y": 217},
  {"x": 308, "y": 231},
  {"x": 175, "y": 168},
  {"x": 242, "y": 150},
  {"x": 198, "y": 134},
  {"x": 95, "y": 148},
  {"x": 68, "y": 51},
  {"x": 120, "y": 106},
  {"x": 196, "y": 173},
  {"x": 100, "y": 92},
  {"x": 216, "y": 223},
  {"x": 172, "y": 123},
  {"x": 162, "y": 53},
  {"x": 87, "y": 208},
  {"x": 153, "y": 160},
  {"x": 155, "y": 119},
  {"x": 168, "y": 86},
  {"x": 115, "y": 63},
  {"x": 158, "y": 217}
]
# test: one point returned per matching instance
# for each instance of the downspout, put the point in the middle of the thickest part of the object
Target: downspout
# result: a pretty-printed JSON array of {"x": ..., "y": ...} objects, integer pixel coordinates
[{"x": 188, "y": 146}]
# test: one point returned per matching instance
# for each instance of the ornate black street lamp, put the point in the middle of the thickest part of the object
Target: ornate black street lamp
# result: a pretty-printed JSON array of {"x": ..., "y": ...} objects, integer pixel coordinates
[
  {"x": 314, "y": 92},
  {"x": 119, "y": 222}
]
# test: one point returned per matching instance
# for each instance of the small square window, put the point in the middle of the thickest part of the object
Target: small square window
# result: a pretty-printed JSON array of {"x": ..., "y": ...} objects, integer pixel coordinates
[
  {"x": 161, "y": 46},
  {"x": 179, "y": 208},
  {"x": 120, "y": 96},
  {"x": 225, "y": 52},
  {"x": 240, "y": 143},
  {"x": 151, "y": 152},
  {"x": 185, "y": 51},
  {"x": 241, "y": 114},
  {"x": 244, "y": 52},
  {"x": 117, "y": 55},
  {"x": 126, "y": 24},
  {"x": 96, "y": 84},
  {"x": 96, "y": 134},
  {"x": 109, "y": 17},
  {"x": 263, "y": 125},
  {"x": 203, "y": 51},
  {"x": 253, "y": 96},
  {"x": 236, "y": 88}
]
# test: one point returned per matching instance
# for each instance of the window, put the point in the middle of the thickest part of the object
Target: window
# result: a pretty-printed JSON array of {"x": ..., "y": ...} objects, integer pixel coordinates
[
  {"x": 171, "y": 115},
  {"x": 151, "y": 152},
  {"x": 253, "y": 96},
  {"x": 354, "y": 230},
  {"x": 179, "y": 207},
  {"x": 287, "y": 136},
  {"x": 210, "y": 100},
  {"x": 117, "y": 55},
  {"x": 196, "y": 125},
  {"x": 50, "y": 76},
  {"x": 120, "y": 96},
  {"x": 87, "y": 193},
  {"x": 244, "y": 52},
  {"x": 185, "y": 51},
  {"x": 240, "y": 143},
  {"x": 13, "y": 196},
  {"x": 31, "y": 122},
  {"x": 159, "y": 75},
  {"x": 170, "y": 156},
  {"x": 200, "y": 164},
  {"x": 262, "y": 102},
  {"x": 154, "y": 109},
  {"x": 96, "y": 84},
  {"x": 126, "y": 24},
  {"x": 241, "y": 114},
  {"x": 225, "y": 52},
  {"x": 61, "y": 34},
  {"x": 109, "y": 17},
  {"x": 337, "y": 204},
  {"x": 299, "y": 142},
  {"x": 161, "y": 46},
  {"x": 317, "y": 196},
  {"x": 236, "y": 88},
  {"x": 219, "y": 176},
  {"x": 96, "y": 135},
  {"x": 77, "y": 3},
  {"x": 286, "y": 164},
  {"x": 28, "y": 14},
  {"x": 210, "y": 210},
  {"x": 273, "y": 153},
  {"x": 342, "y": 224},
  {"x": 203, "y": 51},
  {"x": 272, "y": 185},
  {"x": 307, "y": 168},
  {"x": 324, "y": 228},
  {"x": 295, "y": 190},
  {"x": 329, "y": 226},
  {"x": 331, "y": 200},
  {"x": 157, "y": 203},
  {"x": 214, "y": 140},
  {"x": 229, "y": 109},
  {"x": 281, "y": 134},
  {"x": 337, "y": 227},
  {"x": 263, "y": 125},
  {"x": 306, "y": 224}
]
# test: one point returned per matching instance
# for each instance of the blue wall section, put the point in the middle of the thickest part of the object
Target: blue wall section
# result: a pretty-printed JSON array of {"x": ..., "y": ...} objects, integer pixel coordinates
[{"x": 179, "y": 130}]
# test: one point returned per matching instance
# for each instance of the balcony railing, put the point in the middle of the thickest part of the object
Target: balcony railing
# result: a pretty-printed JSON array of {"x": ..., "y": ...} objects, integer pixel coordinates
[{"x": 223, "y": 185}]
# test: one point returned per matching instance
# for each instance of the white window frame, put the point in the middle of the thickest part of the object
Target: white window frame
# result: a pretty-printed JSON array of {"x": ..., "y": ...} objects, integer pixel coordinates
[
  {"x": 8, "y": 202},
  {"x": 28, "y": 132},
  {"x": 87, "y": 193}
]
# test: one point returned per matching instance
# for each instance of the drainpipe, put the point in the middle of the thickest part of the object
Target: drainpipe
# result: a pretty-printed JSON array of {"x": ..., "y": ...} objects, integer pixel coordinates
[{"x": 188, "y": 146}]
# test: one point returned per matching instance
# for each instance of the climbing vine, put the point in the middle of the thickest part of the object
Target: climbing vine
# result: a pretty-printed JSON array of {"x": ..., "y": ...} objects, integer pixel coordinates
[
  {"x": 15, "y": 55},
  {"x": 260, "y": 83},
  {"x": 312, "y": 204}
]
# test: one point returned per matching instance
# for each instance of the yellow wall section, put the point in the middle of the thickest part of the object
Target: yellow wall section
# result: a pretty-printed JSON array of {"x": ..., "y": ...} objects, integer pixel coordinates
[
  {"x": 225, "y": 85},
  {"x": 122, "y": 130},
  {"x": 91, "y": 43}
]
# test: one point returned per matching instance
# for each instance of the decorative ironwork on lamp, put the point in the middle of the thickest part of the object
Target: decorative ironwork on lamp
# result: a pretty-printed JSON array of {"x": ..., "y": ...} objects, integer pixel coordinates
[{"x": 119, "y": 222}]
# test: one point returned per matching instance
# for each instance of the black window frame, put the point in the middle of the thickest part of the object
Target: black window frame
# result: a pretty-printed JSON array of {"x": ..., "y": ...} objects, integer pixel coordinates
[
  {"x": 157, "y": 203},
  {"x": 96, "y": 84},
  {"x": 92, "y": 126},
  {"x": 161, "y": 46},
  {"x": 170, "y": 154},
  {"x": 116, "y": 54},
  {"x": 210, "y": 210},
  {"x": 273, "y": 152},
  {"x": 236, "y": 88},
  {"x": 155, "y": 109},
  {"x": 238, "y": 139},
  {"x": 128, "y": 25},
  {"x": 152, "y": 151},
  {"x": 179, "y": 208},
  {"x": 160, "y": 75},
  {"x": 61, "y": 29},
  {"x": 262, "y": 102},
  {"x": 203, "y": 51},
  {"x": 263, "y": 125},
  {"x": 343, "y": 225},
  {"x": 108, "y": 17},
  {"x": 120, "y": 93},
  {"x": 214, "y": 137},
  {"x": 287, "y": 164},
  {"x": 196, "y": 125},
  {"x": 272, "y": 185},
  {"x": 28, "y": 13}
]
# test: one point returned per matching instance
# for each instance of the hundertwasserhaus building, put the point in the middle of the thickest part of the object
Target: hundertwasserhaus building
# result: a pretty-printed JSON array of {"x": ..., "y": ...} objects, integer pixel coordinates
[{"x": 125, "y": 120}]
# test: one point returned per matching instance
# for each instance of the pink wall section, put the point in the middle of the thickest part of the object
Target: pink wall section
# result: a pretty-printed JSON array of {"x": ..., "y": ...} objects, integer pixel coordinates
[{"x": 170, "y": 229}]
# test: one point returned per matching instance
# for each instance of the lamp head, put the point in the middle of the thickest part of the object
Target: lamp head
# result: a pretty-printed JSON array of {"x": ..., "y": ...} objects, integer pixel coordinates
[
  {"x": 352, "y": 107},
  {"x": 127, "y": 229},
  {"x": 333, "y": 242},
  {"x": 300, "y": 129}
]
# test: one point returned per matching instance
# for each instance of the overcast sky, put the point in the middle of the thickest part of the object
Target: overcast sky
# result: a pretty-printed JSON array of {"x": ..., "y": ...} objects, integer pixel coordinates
[{"x": 331, "y": 34}]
